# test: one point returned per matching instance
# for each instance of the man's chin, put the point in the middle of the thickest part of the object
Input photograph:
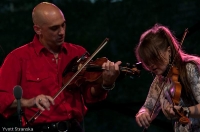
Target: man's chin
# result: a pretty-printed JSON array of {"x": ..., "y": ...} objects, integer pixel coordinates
[{"x": 59, "y": 43}]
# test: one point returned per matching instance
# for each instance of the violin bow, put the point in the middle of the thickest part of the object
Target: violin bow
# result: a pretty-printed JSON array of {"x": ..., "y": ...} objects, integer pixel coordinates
[{"x": 39, "y": 112}]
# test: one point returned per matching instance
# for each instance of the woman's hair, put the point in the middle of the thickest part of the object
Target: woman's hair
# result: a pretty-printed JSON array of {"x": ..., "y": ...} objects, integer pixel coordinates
[
  {"x": 157, "y": 39},
  {"x": 152, "y": 42}
]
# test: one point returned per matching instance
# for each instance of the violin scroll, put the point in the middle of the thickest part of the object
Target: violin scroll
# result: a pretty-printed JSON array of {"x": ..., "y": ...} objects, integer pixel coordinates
[{"x": 132, "y": 70}]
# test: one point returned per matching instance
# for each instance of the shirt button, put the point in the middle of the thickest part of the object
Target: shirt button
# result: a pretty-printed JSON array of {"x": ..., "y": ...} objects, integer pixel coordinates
[
  {"x": 38, "y": 79},
  {"x": 70, "y": 115},
  {"x": 52, "y": 59}
]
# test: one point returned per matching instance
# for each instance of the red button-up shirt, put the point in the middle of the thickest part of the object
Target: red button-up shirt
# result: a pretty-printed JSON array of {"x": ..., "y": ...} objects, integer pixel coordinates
[{"x": 35, "y": 69}]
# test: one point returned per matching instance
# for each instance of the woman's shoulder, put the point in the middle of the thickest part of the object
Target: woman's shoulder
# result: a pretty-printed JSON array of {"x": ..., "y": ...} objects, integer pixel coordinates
[
  {"x": 192, "y": 65},
  {"x": 192, "y": 68}
]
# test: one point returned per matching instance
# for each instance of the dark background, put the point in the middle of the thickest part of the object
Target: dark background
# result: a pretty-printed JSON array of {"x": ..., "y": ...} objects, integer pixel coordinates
[{"x": 123, "y": 21}]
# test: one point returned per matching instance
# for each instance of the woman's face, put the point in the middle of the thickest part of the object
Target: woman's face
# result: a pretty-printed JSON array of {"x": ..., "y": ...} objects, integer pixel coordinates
[{"x": 160, "y": 67}]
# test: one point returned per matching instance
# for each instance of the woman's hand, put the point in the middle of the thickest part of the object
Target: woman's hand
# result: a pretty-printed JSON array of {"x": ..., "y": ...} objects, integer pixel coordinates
[
  {"x": 143, "y": 118},
  {"x": 169, "y": 109}
]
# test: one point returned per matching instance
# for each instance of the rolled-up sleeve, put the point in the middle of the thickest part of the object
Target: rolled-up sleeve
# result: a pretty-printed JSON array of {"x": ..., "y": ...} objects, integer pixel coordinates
[{"x": 152, "y": 97}]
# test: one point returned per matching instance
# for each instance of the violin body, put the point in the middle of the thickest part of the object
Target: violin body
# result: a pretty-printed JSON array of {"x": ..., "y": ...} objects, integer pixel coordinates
[
  {"x": 91, "y": 73},
  {"x": 174, "y": 74}
]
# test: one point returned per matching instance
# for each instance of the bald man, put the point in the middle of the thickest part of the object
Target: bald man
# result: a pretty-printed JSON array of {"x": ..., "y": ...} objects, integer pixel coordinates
[{"x": 38, "y": 67}]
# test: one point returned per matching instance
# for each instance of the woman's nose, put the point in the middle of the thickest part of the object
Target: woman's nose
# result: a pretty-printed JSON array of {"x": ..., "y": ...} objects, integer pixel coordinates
[{"x": 151, "y": 66}]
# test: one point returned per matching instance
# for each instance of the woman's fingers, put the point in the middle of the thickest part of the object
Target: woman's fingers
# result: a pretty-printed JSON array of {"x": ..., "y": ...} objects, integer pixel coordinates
[{"x": 143, "y": 119}]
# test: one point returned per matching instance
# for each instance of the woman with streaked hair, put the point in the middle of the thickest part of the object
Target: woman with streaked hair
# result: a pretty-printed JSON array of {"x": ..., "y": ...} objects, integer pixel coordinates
[{"x": 161, "y": 53}]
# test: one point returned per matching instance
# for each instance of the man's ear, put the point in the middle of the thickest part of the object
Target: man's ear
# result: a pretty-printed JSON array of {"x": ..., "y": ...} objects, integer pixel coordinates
[{"x": 37, "y": 29}]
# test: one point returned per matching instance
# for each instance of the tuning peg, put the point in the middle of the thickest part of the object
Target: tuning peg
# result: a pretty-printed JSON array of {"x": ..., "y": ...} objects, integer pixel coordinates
[
  {"x": 128, "y": 65},
  {"x": 132, "y": 77},
  {"x": 139, "y": 65}
]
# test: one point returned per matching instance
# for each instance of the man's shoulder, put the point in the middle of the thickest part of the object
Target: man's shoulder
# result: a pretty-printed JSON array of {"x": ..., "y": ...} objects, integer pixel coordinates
[{"x": 22, "y": 49}]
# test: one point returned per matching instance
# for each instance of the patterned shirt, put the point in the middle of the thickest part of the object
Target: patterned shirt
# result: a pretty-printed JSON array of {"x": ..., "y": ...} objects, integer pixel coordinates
[{"x": 156, "y": 86}]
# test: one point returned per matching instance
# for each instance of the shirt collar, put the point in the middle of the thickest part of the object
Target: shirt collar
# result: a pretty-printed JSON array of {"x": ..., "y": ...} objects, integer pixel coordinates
[{"x": 39, "y": 47}]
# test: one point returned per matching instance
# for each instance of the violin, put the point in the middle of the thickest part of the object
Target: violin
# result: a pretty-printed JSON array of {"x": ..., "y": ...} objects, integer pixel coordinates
[
  {"x": 93, "y": 70},
  {"x": 174, "y": 74}
]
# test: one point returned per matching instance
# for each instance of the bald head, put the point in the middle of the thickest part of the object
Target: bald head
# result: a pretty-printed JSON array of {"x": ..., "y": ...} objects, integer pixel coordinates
[{"x": 45, "y": 12}]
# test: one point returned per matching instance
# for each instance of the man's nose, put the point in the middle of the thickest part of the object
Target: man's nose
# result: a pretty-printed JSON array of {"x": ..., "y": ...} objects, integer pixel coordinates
[{"x": 61, "y": 31}]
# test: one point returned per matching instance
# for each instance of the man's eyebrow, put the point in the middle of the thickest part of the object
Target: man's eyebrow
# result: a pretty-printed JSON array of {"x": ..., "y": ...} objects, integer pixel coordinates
[{"x": 57, "y": 25}]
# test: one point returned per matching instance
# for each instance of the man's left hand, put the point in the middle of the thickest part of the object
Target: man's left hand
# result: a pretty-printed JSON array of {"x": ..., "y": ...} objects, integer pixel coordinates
[{"x": 111, "y": 72}]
